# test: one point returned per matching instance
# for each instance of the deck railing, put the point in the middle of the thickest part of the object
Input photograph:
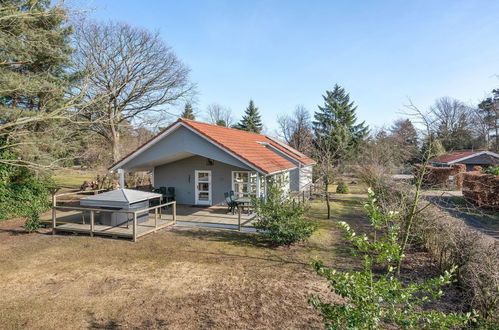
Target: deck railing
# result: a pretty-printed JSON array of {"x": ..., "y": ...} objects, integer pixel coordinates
[{"x": 157, "y": 215}]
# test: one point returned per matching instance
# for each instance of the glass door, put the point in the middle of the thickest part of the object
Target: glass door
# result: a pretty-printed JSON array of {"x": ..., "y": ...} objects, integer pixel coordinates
[{"x": 203, "y": 187}]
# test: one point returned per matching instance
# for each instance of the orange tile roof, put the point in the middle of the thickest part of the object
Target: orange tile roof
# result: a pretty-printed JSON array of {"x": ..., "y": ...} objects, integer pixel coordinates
[
  {"x": 252, "y": 147},
  {"x": 454, "y": 155}
]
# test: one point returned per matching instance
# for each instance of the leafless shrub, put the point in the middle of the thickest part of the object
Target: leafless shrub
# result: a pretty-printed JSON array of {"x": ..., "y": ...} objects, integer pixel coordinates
[{"x": 452, "y": 242}]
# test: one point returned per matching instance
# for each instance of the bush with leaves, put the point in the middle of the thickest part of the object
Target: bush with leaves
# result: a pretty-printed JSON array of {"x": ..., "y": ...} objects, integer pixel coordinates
[
  {"x": 374, "y": 300},
  {"x": 342, "y": 188},
  {"x": 21, "y": 191},
  {"x": 33, "y": 223},
  {"x": 280, "y": 219},
  {"x": 492, "y": 170}
]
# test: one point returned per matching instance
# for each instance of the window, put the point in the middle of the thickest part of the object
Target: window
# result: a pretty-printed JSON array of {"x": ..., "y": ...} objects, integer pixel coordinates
[
  {"x": 244, "y": 184},
  {"x": 281, "y": 180}
]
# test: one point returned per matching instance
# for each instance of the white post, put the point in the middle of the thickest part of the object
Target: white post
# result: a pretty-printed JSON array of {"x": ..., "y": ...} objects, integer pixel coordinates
[
  {"x": 239, "y": 217},
  {"x": 174, "y": 210},
  {"x": 54, "y": 216},
  {"x": 135, "y": 227},
  {"x": 258, "y": 193},
  {"x": 91, "y": 223},
  {"x": 121, "y": 172}
]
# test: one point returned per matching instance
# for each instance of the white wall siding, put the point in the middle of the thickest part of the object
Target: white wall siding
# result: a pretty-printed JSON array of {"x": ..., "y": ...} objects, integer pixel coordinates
[{"x": 305, "y": 177}]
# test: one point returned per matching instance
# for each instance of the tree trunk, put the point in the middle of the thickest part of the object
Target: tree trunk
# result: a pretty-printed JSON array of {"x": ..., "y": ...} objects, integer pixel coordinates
[
  {"x": 115, "y": 146},
  {"x": 328, "y": 204},
  {"x": 115, "y": 137}
]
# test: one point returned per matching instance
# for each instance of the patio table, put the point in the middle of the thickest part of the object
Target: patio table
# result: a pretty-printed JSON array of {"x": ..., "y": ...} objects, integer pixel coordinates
[{"x": 245, "y": 202}]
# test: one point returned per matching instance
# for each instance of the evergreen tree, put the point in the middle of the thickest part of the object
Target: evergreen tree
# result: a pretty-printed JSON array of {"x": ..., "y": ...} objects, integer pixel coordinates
[
  {"x": 35, "y": 63},
  {"x": 336, "y": 123},
  {"x": 251, "y": 121},
  {"x": 405, "y": 139},
  {"x": 35, "y": 55},
  {"x": 188, "y": 112}
]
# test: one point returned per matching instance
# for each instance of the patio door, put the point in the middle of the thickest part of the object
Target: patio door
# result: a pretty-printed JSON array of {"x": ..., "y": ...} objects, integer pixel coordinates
[{"x": 203, "y": 187}]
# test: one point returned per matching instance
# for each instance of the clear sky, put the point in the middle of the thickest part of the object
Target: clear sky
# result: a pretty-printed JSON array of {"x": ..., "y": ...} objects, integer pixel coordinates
[{"x": 285, "y": 53}]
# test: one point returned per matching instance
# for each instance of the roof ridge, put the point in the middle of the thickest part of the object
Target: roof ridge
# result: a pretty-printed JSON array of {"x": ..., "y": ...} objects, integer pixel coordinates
[{"x": 226, "y": 127}]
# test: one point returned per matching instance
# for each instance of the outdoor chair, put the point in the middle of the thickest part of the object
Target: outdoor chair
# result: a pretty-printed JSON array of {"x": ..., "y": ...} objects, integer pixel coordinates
[
  {"x": 169, "y": 196},
  {"x": 231, "y": 204},
  {"x": 167, "y": 193}
]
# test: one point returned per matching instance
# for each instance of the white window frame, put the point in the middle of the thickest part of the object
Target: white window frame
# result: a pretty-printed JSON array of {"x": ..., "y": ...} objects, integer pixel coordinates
[
  {"x": 196, "y": 190},
  {"x": 257, "y": 183}
]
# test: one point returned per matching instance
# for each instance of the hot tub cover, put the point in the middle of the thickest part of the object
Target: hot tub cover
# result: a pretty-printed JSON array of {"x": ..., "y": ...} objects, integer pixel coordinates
[{"x": 119, "y": 198}]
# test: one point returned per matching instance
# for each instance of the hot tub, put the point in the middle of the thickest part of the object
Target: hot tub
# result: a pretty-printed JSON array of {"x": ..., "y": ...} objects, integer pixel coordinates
[{"x": 123, "y": 200}]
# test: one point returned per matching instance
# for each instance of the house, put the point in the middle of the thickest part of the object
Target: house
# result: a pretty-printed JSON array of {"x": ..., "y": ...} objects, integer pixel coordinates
[
  {"x": 468, "y": 157},
  {"x": 202, "y": 161}
]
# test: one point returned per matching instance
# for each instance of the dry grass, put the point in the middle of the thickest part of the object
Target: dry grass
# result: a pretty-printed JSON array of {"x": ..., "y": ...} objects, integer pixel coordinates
[{"x": 182, "y": 278}]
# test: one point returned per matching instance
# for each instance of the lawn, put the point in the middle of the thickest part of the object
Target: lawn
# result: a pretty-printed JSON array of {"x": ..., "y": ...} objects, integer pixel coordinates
[
  {"x": 185, "y": 277},
  {"x": 73, "y": 179},
  {"x": 181, "y": 278}
]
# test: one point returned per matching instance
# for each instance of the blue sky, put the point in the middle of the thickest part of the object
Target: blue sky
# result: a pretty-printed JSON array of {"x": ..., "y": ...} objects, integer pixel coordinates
[{"x": 285, "y": 53}]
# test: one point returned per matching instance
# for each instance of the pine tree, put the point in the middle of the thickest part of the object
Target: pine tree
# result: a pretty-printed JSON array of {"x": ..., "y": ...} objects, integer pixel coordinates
[
  {"x": 35, "y": 55},
  {"x": 405, "y": 139},
  {"x": 336, "y": 122},
  {"x": 251, "y": 121},
  {"x": 188, "y": 112},
  {"x": 35, "y": 62}
]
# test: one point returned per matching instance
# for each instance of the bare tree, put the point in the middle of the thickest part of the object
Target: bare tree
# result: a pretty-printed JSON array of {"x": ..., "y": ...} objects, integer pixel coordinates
[
  {"x": 488, "y": 113},
  {"x": 451, "y": 121},
  {"x": 296, "y": 130},
  {"x": 326, "y": 154},
  {"x": 220, "y": 115},
  {"x": 140, "y": 74}
]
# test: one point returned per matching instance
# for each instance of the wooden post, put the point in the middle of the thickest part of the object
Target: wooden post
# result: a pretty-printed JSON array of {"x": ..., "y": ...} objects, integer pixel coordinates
[
  {"x": 156, "y": 217},
  {"x": 174, "y": 209},
  {"x": 54, "y": 216},
  {"x": 239, "y": 218},
  {"x": 303, "y": 196},
  {"x": 134, "y": 227},
  {"x": 91, "y": 223},
  {"x": 159, "y": 211}
]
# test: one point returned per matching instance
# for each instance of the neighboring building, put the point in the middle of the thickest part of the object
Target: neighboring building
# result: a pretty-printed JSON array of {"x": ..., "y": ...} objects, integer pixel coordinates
[
  {"x": 202, "y": 161},
  {"x": 468, "y": 157}
]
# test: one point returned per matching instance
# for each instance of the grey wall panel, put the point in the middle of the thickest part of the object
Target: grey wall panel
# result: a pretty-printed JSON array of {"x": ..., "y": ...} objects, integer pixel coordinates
[
  {"x": 181, "y": 175},
  {"x": 183, "y": 140},
  {"x": 294, "y": 179}
]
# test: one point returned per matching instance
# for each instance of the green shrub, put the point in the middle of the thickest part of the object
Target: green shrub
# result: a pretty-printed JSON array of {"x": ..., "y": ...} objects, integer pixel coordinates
[
  {"x": 21, "y": 191},
  {"x": 280, "y": 219},
  {"x": 492, "y": 170},
  {"x": 33, "y": 223},
  {"x": 374, "y": 300},
  {"x": 342, "y": 188}
]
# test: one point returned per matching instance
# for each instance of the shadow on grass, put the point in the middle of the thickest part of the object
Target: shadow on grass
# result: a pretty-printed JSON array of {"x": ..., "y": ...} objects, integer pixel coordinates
[
  {"x": 14, "y": 232},
  {"x": 268, "y": 251},
  {"x": 227, "y": 236}
]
